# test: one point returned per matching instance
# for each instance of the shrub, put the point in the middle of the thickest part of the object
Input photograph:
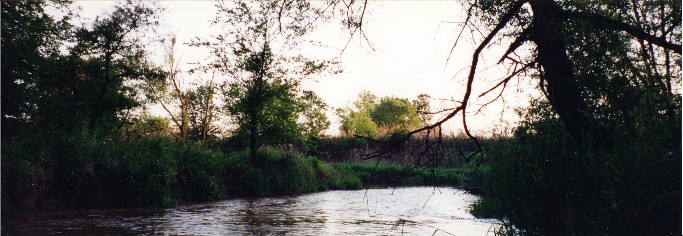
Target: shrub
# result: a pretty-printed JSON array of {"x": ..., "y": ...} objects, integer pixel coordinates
[
  {"x": 542, "y": 184},
  {"x": 139, "y": 173},
  {"x": 200, "y": 174},
  {"x": 281, "y": 173}
]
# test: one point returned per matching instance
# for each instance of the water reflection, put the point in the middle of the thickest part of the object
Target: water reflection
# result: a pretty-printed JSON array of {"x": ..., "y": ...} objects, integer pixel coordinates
[{"x": 412, "y": 211}]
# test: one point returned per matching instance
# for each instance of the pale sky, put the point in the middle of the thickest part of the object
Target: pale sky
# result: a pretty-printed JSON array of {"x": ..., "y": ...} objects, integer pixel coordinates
[{"x": 412, "y": 40}]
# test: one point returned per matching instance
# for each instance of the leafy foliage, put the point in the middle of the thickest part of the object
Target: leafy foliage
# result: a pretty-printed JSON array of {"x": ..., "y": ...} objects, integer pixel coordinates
[
  {"x": 371, "y": 116},
  {"x": 542, "y": 184},
  {"x": 29, "y": 44},
  {"x": 67, "y": 76},
  {"x": 394, "y": 114}
]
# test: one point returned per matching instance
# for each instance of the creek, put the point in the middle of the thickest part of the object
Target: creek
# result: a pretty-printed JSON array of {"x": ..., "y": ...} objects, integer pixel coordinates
[{"x": 382, "y": 211}]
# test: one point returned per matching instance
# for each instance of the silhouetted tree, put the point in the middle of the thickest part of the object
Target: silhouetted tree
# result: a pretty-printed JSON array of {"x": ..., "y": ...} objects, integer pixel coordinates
[
  {"x": 114, "y": 51},
  {"x": 30, "y": 42}
]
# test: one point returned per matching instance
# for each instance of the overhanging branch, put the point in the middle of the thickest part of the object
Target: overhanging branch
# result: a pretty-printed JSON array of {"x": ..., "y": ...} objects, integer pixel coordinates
[{"x": 608, "y": 23}]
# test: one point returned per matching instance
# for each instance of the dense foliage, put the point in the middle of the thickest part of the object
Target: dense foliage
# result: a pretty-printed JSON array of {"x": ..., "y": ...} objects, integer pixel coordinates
[
  {"x": 149, "y": 172},
  {"x": 371, "y": 116},
  {"x": 589, "y": 156},
  {"x": 542, "y": 184},
  {"x": 262, "y": 95}
]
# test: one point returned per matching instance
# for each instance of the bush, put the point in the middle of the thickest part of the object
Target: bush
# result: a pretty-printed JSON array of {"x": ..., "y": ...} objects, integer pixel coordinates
[
  {"x": 542, "y": 184},
  {"x": 342, "y": 179},
  {"x": 138, "y": 173},
  {"x": 80, "y": 171},
  {"x": 200, "y": 174},
  {"x": 281, "y": 173}
]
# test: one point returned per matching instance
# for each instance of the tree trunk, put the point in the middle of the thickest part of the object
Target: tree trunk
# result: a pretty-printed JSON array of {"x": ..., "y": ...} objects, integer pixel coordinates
[
  {"x": 97, "y": 109},
  {"x": 253, "y": 139},
  {"x": 563, "y": 92}
]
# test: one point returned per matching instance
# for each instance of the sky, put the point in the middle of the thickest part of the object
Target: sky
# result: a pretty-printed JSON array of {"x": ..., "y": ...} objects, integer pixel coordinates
[{"x": 411, "y": 40}]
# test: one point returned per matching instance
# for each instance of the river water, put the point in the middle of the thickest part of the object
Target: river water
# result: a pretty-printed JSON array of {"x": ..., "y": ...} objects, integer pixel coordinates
[{"x": 389, "y": 211}]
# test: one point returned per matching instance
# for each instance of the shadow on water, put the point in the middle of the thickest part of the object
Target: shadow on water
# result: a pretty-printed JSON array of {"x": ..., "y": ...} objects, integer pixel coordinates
[{"x": 414, "y": 210}]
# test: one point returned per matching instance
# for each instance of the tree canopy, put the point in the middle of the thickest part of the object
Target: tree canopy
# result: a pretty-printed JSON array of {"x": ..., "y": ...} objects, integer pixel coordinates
[
  {"x": 370, "y": 116},
  {"x": 65, "y": 76}
]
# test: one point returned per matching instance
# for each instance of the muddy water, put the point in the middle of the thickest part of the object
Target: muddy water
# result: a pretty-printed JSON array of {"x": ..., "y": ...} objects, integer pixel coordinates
[{"x": 410, "y": 211}]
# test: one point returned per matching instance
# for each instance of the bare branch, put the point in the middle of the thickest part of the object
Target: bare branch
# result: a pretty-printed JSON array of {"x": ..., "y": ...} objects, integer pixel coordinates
[
  {"x": 475, "y": 59},
  {"x": 279, "y": 14},
  {"x": 170, "y": 113},
  {"x": 507, "y": 79},
  {"x": 388, "y": 145},
  {"x": 358, "y": 28},
  {"x": 467, "y": 20}
]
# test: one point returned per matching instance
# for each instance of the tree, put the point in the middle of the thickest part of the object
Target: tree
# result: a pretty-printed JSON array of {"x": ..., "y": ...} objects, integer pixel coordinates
[
  {"x": 371, "y": 116},
  {"x": 653, "y": 25},
  {"x": 356, "y": 123},
  {"x": 604, "y": 69},
  {"x": 67, "y": 77},
  {"x": 366, "y": 101},
  {"x": 423, "y": 109},
  {"x": 395, "y": 114},
  {"x": 174, "y": 89},
  {"x": 556, "y": 30},
  {"x": 203, "y": 112},
  {"x": 30, "y": 41},
  {"x": 313, "y": 119},
  {"x": 114, "y": 51},
  {"x": 262, "y": 94}
]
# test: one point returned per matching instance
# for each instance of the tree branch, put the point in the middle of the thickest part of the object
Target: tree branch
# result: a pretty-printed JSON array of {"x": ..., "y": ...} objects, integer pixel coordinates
[
  {"x": 523, "y": 37},
  {"x": 608, "y": 23},
  {"x": 461, "y": 108}
]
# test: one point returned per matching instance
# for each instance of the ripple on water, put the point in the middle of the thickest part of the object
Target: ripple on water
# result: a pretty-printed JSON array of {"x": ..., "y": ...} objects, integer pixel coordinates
[{"x": 412, "y": 210}]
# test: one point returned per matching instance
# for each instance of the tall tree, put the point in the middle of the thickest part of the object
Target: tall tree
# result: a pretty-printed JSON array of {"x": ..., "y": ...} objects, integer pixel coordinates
[
  {"x": 114, "y": 47},
  {"x": 423, "y": 108},
  {"x": 313, "y": 120},
  {"x": 174, "y": 92},
  {"x": 65, "y": 76},
  {"x": 257, "y": 52},
  {"x": 395, "y": 114},
  {"x": 604, "y": 69},
  {"x": 560, "y": 35}
]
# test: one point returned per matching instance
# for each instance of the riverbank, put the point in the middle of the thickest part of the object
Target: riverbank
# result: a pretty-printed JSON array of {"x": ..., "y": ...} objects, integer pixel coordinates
[{"x": 160, "y": 173}]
